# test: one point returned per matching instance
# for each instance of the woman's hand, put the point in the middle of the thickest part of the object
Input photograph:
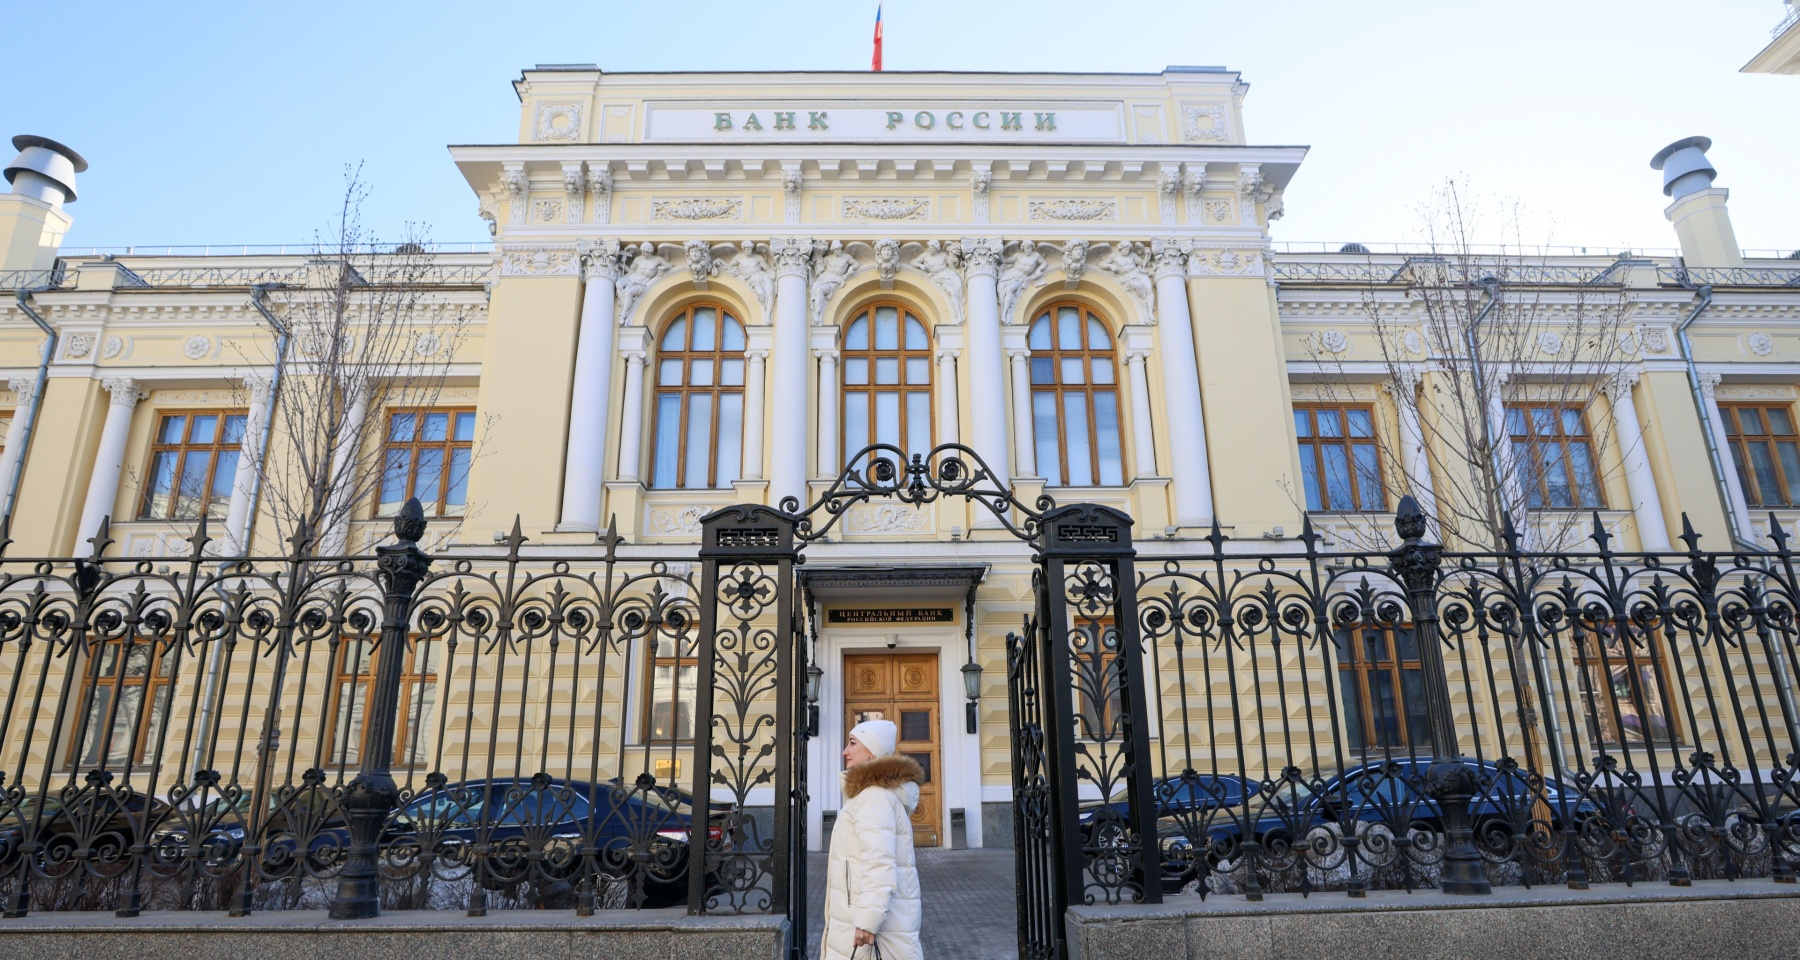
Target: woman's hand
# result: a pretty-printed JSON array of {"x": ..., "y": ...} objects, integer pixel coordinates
[{"x": 863, "y": 938}]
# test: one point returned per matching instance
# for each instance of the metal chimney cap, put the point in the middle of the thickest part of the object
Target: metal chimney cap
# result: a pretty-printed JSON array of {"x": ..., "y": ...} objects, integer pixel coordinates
[
  {"x": 44, "y": 170},
  {"x": 1685, "y": 167},
  {"x": 1703, "y": 144},
  {"x": 24, "y": 140}
]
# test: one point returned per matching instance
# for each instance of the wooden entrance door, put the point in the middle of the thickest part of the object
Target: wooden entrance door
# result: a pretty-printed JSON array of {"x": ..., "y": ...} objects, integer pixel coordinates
[{"x": 902, "y": 687}]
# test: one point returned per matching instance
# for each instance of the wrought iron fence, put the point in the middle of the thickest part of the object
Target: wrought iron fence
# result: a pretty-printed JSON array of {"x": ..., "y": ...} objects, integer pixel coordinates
[
  {"x": 458, "y": 732},
  {"x": 467, "y": 731},
  {"x": 1422, "y": 718}
]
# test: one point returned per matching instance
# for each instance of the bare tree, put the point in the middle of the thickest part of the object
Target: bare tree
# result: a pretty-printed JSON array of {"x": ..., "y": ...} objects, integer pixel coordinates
[
  {"x": 1493, "y": 340},
  {"x": 371, "y": 330}
]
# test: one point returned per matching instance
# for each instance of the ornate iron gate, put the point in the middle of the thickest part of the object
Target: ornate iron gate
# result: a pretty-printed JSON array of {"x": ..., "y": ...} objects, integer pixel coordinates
[{"x": 1075, "y": 694}]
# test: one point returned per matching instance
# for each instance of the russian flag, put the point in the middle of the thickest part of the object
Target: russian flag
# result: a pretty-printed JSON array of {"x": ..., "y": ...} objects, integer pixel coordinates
[{"x": 875, "y": 63}]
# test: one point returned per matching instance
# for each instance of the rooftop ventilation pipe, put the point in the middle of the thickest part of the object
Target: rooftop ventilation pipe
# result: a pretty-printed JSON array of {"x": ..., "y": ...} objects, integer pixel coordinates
[
  {"x": 44, "y": 170},
  {"x": 1684, "y": 167}
]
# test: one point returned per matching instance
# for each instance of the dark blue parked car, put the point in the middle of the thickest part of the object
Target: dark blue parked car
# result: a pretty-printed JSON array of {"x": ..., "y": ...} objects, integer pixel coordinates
[
  {"x": 1196, "y": 791},
  {"x": 1376, "y": 792},
  {"x": 632, "y": 829}
]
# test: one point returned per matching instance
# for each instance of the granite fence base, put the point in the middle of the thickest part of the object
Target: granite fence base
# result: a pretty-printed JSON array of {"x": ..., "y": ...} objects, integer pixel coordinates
[
  {"x": 1743, "y": 920},
  {"x": 409, "y": 935}
]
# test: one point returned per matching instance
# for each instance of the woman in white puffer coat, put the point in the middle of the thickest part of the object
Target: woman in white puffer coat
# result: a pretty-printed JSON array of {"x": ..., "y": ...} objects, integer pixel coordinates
[{"x": 872, "y": 884}]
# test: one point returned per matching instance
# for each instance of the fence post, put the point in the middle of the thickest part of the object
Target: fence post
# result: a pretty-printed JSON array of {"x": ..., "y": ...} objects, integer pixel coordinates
[
  {"x": 1449, "y": 782},
  {"x": 1085, "y": 554},
  {"x": 372, "y": 795},
  {"x": 747, "y": 557}
]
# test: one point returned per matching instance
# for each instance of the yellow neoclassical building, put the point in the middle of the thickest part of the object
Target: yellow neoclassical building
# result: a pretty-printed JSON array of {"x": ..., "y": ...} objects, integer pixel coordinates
[{"x": 714, "y": 288}]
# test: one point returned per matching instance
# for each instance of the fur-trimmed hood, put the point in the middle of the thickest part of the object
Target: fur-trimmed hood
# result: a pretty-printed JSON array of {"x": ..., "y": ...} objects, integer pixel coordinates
[{"x": 890, "y": 772}]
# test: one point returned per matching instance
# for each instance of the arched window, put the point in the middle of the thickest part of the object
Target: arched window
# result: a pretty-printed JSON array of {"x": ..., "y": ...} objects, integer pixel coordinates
[
  {"x": 887, "y": 380},
  {"x": 1075, "y": 398},
  {"x": 699, "y": 401}
]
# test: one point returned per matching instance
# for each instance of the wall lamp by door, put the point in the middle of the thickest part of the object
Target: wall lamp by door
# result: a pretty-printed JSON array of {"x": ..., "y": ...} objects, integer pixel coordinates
[
  {"x": 813, "y": 676},
  {"x": 971, "y": 673}
]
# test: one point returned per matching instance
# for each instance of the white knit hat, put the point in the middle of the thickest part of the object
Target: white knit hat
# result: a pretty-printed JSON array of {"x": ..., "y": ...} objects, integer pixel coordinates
[{"x": 880, "y": 737}]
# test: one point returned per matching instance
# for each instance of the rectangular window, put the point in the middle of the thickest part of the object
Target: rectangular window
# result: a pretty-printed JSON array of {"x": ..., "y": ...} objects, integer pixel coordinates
[
  {"x": 1766, "y": 451},
  {"x": 1381, "y": 688},
  {"x": 1555, "y": 455},
  {"x": 126, "y": 699},
  {"x": 673, "y": 680},
  {"x": 193, "y": 464},
  {"x": 1340, "y": 468},
  {"x": 426, "y": 454},
  {"x": 1099, "y": 684},
  {"x": 1623, "y": 682},
  {"x": 353, "y": 683}
]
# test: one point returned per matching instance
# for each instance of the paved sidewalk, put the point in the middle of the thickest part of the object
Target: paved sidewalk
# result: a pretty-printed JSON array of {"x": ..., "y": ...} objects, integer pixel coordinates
[{"x": 969, "y": 909}]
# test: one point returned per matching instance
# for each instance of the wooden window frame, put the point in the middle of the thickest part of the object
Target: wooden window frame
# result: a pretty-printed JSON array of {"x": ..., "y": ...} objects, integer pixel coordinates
[
  {"x": 1595, "y": 659},
  {"x": 412, "y": 447},
  {"x": 154, "y": 684},
  {"x": 1087, "y": 354},
  {"x": 1106, "y": 719},
  {"x": 687, "y": 355},
  {"x": 1533, "y": 444},
  {"x": 182, "y": 451},
  {"x": 1314, "y": 446},
  {"x": 872, "y": 389},
  {"x": 1350, "y": 650},
  {"x": 411, "y": 678},
  {"x": 1741, "y": 444},
  {"x": 679, "y": 660}
]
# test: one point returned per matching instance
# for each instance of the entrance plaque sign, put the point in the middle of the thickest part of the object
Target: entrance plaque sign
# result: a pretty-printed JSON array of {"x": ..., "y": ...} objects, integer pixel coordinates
[{"x": 851, "y": 615}]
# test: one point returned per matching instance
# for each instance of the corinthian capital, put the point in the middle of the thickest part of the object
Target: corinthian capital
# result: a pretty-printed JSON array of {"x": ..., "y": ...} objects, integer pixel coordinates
[
  {"x": 1619, "y": 385},
  {"x": 1168, "y": 257},
  {"x": 1405, "y": 381},
  {"x": 1709, "y": 384},
  {"x": 981, "y": 255},
  {"x": 792, "y": 256},
  {"x": 125, "y": 391},
  {"x": 599, "y": 258}
]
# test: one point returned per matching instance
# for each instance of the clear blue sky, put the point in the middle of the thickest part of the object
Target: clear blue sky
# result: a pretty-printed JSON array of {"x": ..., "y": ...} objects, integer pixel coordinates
[{"x": 231, "y": 122}]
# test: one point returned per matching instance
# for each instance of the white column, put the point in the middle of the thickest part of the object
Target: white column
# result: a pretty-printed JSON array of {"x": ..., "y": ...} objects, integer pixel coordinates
[
  {"x": 1024, "y": 454},
  {"x": 831, "y": 462},
  {"x": 243, "y": 483},
  {"x": 949, "y": 426},
  {"x": 1414, "y": 458},
  {"x": 987, "y": 362},
  {"x": 1143, "y": 439},
  {"x": 584, "y": 461},
  {"x": 753, "y": 413},
  {"x": 1190, "y": 472},
  {"x": 1734, "y": 489},
  {"x": 1646, "y": 504},
  {"x": 1510, "y": 471},
  {"x": 787, "y": 467},
  {"x": 338, "y": 509},
  {"x": 631, "y": 421},
  {"x": 22, "y": 388},
  {"x": 109, "y": 460}
]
